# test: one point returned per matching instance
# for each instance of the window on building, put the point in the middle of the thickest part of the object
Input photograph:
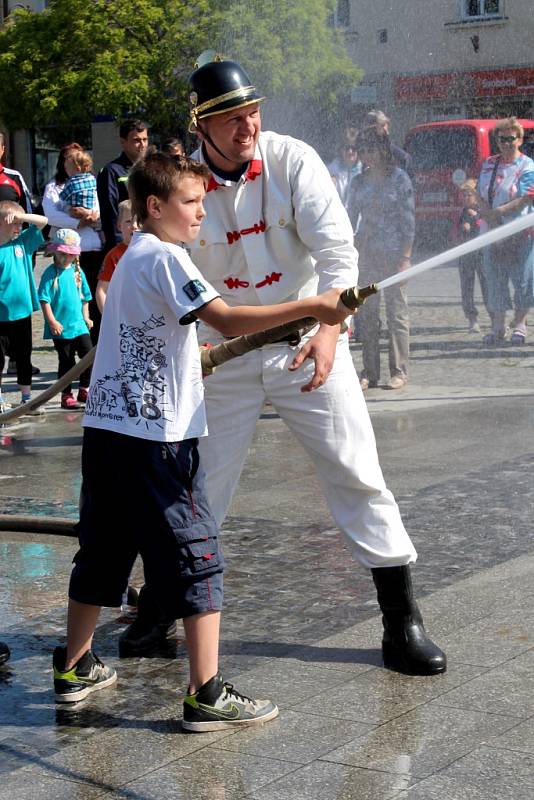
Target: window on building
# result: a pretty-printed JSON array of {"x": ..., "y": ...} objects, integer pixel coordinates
[
  {"x": 482, "y": 8},
  {"x": 341, "y": 16},
  {"x": 382, "y": 36}
]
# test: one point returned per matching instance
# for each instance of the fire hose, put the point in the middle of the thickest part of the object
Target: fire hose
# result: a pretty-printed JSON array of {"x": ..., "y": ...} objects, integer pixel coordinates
[
  {"x": 232, "y": 348},
  {"x": 352, "y": 298}
]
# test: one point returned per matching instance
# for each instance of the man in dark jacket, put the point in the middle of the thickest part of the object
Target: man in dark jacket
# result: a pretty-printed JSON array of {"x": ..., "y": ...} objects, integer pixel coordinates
[{"x": 112, "y": 181}]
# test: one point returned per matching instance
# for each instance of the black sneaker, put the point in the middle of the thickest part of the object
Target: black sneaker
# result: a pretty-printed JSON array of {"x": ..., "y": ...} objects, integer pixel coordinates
[
  {"x": 152, "y": 632},
  {"x": 88, "y": 675},
  {"x": 147, "y": 637},
  {"x": 4, "y": 652},
  {"x": 217, "y": 705}
]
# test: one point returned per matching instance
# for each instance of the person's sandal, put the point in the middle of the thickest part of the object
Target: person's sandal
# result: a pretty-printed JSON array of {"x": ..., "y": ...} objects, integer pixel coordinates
[{"x": 519, "y": 335}]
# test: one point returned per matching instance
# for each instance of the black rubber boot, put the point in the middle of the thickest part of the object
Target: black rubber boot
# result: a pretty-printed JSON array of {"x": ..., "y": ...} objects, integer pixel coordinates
[
  {"x": 4, "y": 652},
  {"x": 405, "y": 645},
  {"x": 151, "y": 632}
]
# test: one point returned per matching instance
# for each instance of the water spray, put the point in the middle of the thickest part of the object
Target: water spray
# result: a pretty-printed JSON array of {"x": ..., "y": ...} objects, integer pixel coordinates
[{"x": 355, "y": 297}]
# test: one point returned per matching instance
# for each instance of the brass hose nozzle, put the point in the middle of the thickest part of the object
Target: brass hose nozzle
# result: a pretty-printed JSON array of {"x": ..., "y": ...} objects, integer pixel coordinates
[{"x": 355, "y": 297}]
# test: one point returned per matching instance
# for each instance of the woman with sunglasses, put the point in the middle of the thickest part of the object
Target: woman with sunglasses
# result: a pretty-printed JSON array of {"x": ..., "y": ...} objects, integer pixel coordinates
[
  {"x": 346, "y": 165},
  {"x": 381, "y": 209},
  {"x": 506, "y": 188}
]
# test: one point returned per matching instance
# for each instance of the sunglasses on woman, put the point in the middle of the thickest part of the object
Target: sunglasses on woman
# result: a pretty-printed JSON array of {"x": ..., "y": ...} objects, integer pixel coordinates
[{"x": 507, "y": 139}]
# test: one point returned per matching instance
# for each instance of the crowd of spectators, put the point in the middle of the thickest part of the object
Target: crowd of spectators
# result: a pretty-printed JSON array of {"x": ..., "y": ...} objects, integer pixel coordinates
[{"x": 373, "y": 177}]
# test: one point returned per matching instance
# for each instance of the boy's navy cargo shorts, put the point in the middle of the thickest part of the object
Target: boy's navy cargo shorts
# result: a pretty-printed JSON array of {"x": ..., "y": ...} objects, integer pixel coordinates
[{"x": 145, "y": 497}]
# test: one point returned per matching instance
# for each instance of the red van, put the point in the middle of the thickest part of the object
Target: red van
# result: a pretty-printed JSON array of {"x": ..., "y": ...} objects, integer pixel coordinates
[{"x": 443, "y": 155}]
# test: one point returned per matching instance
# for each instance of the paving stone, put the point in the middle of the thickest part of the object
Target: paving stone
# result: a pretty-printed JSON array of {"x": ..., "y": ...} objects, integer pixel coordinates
[
  {"x": 319, "y": 781},
  {"x": 484, "y": 774},
  {"x": 301, "y": 620},
  {"x": 295, "y": 737},
  {"x": 421, "y": 742}
]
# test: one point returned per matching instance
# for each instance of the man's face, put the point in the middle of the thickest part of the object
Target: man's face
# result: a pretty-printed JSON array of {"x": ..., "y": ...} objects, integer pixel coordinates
[
  {"x": 2, "y": 150},
  {"x": 235, "y": 133},
  {"x": 135, "y": 144}
]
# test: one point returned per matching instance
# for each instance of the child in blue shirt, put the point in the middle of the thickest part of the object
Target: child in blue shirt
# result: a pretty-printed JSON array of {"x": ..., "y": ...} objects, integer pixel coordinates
[
  {"x": 64, "y": 294},
  {"x": 18, "y": 295}
]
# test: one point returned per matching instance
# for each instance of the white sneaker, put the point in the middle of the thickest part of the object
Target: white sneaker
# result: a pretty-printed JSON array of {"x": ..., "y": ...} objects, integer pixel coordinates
[
  {"x": 396, "y": 382},
  {"x": 4, "y": 406}
]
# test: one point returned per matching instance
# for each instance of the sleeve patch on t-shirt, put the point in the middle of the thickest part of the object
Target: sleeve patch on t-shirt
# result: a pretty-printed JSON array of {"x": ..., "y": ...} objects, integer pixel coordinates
[{"x": 194, "y": 289}]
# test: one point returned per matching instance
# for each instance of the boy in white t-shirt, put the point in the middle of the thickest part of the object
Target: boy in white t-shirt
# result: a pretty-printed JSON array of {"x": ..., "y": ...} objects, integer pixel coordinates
[{"x": 144, "y": 414}]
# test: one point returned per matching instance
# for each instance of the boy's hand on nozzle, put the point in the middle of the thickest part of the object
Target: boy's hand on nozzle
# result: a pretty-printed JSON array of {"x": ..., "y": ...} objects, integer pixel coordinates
[{"x": 331, "y": 310}]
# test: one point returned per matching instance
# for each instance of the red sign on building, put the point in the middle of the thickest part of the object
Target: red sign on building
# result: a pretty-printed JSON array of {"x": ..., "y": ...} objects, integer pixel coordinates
[{"x": 456, "y": 85}]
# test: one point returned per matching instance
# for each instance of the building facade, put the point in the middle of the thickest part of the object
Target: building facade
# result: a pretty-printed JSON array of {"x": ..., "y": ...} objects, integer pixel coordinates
[{"x": 427, "y": 60}]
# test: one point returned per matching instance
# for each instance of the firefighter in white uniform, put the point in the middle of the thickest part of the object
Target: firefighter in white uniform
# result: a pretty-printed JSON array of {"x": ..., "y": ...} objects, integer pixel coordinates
[{"x": 276, "y": 230}]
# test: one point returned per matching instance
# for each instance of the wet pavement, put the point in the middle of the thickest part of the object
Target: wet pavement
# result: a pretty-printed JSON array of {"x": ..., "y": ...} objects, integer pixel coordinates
[{"x": 457, "y": 448}]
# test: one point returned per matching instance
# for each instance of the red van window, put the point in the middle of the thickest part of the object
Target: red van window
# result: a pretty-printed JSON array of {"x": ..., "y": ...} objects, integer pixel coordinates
[{"x": 442, "y": 148}]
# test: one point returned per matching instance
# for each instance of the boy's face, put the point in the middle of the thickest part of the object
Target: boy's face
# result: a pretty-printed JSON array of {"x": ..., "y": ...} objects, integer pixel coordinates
[
  {"x": 63, "y": 260},
  {"x": 127, "y": 226},
  {"x": 178, "y": 218},
  {"x": 9, "y": 230}
]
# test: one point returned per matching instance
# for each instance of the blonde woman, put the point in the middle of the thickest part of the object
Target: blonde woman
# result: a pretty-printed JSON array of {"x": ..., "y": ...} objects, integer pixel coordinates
[{"x": 506, "y": 187}]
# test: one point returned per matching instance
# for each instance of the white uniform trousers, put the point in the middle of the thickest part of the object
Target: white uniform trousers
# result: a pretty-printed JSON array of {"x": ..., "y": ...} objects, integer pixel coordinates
[{"x": 332, "y": 424}]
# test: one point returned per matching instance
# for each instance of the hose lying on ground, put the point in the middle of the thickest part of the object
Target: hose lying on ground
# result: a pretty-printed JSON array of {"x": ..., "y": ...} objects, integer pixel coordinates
[
  {"x": 48, "y": 394},
  {"x": 25, "y": 523}
]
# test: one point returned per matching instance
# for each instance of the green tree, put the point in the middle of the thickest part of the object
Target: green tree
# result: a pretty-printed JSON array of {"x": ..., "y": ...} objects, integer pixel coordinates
[
  {"x": 296, "y": 58},
  {"x": 78, "y": 59}
]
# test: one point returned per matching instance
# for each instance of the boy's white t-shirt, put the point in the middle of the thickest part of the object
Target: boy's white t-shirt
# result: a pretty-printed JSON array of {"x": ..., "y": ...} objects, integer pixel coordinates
[{"x": 147, "y": 379}]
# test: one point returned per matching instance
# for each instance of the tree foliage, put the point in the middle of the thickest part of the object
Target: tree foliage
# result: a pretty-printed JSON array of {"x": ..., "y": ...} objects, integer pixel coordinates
[{"x": 78, "y": 59}]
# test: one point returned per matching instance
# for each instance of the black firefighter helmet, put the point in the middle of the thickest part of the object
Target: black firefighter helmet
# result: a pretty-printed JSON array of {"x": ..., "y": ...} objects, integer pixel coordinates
[{"x": 216, "y": 86}]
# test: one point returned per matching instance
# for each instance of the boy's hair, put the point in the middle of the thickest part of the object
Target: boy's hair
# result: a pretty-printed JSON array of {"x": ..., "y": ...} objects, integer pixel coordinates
[
  {"x": 61, "y": 176},
  {"x": 130, "y": 125},
  {"x": 470, "y": 185},
  {"x": 9, "y": 205},
  {"x": 159, "y": 174},
  {"x": 168, "y": 145},
  {"x": 125, "y": 207},
  {"x": 82, "y": 159}
]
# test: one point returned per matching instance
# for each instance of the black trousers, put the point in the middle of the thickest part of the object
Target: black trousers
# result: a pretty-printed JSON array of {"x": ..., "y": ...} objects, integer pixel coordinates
[
  {"x": 90, "y": 262},
  {"x": 67, "y": 350},
  {"x": 16, "y": 341}
]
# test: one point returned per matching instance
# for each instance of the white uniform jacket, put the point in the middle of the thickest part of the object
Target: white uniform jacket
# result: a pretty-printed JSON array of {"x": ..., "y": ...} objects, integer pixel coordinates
[{"x": 280, "y": 232}]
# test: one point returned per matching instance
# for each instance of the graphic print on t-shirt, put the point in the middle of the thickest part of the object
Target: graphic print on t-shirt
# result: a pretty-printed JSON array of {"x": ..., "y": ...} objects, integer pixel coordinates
[{"x": 137, "y": 389}]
